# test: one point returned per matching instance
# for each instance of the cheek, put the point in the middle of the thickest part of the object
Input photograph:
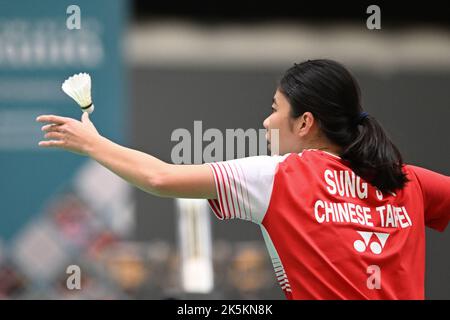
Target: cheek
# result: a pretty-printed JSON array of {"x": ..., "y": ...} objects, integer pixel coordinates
[
  {"x": 275, "y": 121},
  {"x": 283, "y": 125}
]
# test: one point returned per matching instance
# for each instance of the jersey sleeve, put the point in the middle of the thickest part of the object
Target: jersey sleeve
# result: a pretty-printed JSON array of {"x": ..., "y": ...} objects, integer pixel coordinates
[
  {"x": 436, "y": 197},
  {"x": 244, "y": 187}
]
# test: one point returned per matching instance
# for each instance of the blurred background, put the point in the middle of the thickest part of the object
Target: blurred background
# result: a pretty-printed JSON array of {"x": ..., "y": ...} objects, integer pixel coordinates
[{"x": 160, "y": 66}]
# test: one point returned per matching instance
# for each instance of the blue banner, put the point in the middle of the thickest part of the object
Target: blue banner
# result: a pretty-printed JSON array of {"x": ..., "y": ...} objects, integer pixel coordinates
[{"x": 41, "y": 44}]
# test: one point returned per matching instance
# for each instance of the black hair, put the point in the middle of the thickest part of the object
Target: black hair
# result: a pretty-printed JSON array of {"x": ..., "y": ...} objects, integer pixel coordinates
[{"x": 330, "y": 92}]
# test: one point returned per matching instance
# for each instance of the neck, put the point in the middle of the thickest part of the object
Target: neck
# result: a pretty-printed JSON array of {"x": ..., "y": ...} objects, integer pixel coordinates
[
  {"x": 322, "y": 143},
  {"x": 330, "y": 149}
]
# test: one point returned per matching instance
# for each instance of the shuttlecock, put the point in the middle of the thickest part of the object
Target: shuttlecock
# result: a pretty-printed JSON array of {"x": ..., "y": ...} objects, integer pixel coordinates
[{"x": 78, "y": 87}]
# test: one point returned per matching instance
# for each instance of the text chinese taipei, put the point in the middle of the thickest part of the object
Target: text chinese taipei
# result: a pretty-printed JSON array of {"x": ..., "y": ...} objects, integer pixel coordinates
[{"x": 346, "y": 183}]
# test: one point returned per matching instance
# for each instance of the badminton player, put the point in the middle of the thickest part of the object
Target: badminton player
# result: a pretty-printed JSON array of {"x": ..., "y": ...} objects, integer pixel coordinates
[{"x": 341, "y": 214}]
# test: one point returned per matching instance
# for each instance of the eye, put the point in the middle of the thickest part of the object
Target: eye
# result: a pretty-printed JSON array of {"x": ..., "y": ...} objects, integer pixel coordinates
[{"x": 273, "y": 109}]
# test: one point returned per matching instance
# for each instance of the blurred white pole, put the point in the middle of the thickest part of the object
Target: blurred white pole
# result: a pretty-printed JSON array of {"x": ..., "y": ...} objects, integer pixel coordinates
[{"x": 194, "y": 236}]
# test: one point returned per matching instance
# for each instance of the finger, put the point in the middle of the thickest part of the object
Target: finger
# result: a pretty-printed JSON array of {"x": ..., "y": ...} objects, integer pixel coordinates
[
  {"x": 85, "y": 118},
  {"x": 51, "y": 143},
  {"x": 54, "y": 135},
  {"x": 52, "y": 118},
  {"x": 51, "y": 127}
]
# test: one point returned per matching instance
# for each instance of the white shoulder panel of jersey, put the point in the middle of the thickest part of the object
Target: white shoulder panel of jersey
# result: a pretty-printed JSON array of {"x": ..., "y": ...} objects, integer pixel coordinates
[{"x": 244, "y": 187}]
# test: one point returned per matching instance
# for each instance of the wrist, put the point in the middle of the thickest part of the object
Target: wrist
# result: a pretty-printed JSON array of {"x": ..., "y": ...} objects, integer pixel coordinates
[{"x": 94, "y": 146}]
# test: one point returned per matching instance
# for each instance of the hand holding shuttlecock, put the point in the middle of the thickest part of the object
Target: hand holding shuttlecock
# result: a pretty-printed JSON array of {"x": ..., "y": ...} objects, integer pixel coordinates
[{"x": 78, "y": 87}]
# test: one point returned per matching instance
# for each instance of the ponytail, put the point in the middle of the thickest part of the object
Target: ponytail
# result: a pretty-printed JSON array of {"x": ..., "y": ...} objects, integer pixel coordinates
[{"x": 374, "y": 157}]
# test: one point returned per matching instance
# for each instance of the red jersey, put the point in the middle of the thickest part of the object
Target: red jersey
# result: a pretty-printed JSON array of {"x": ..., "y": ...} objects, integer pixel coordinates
[{"x": 331, "y": 234}]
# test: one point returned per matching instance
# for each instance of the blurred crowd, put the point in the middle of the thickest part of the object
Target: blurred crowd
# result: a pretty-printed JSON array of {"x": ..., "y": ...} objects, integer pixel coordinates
[{"x": 83, "y": 227}]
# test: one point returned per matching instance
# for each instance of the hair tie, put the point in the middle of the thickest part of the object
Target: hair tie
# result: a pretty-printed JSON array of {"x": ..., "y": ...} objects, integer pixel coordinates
[{"x": 361, "y": 117}]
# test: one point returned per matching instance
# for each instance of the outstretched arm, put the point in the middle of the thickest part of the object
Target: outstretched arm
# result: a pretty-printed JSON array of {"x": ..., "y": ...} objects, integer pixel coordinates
[{"x": 138, "y": 168}]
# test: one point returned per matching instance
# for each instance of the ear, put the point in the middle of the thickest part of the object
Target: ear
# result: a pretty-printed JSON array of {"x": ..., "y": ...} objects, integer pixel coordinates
[{"x": 305, "y": 123}]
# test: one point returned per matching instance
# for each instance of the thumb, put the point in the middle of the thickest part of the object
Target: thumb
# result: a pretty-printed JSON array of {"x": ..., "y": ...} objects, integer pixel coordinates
[{"x": 85, "y": 118}]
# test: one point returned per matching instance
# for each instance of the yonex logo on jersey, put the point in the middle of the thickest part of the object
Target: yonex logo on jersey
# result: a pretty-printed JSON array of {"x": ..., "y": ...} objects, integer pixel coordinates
[{"x": 374, "y": 246}]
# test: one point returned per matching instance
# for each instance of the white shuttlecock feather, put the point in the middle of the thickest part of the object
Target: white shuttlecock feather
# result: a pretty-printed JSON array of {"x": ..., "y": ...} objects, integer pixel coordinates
[{"x": 78, "y": 87}]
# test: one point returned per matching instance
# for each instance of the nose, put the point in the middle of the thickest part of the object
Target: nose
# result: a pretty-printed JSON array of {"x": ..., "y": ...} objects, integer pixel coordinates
[{"x": 266, "y": 123}]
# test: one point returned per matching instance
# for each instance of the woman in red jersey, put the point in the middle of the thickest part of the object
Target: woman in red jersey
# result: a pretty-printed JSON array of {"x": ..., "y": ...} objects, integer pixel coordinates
[{"x": 341, "y": 214}]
